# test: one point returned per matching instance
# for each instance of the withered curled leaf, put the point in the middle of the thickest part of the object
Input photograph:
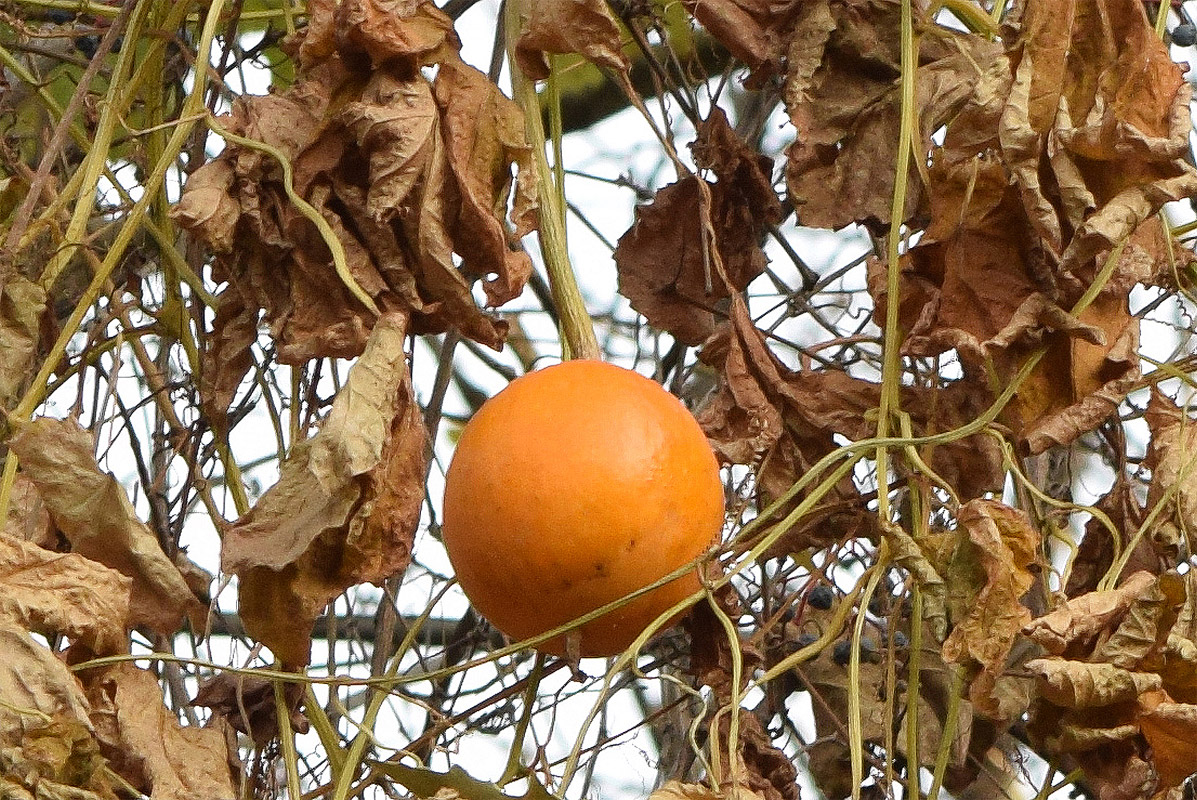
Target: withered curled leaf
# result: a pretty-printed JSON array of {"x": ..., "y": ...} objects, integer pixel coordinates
[
  {"x": 1004, "y": 543},
  {"x": 145, "y": 743},
  {"x": 586, "y": 27},
  {"x": 345, "y": 507},
  {"x": 697, "y": 242},
  {"x": 92, "y": 510}
]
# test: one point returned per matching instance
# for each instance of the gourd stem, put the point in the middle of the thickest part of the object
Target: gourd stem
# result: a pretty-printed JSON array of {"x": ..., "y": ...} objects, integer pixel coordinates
[{"x": 577, "y": 330}]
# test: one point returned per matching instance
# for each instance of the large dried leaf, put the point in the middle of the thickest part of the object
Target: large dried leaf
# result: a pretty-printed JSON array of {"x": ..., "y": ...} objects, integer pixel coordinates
[
  {"x": 1172, "y": 458},
  {"x": 146, "y": 744},
  {"x": 843, "y": 95},
  {"x": 34, "y": 682},
  {"x": 1004, "y": 543},
  {"x": 585, "y": 27},
  {"x": 484, "y": 136},
  {"x": 94, "y": 513},
  {"x": 47, "y": 746},
  {"x": 1077, "y": 684},
  {"x": 345, "y": 507},
  {"x": 975, "y": 283},
  {"x": 1071, "y": 627},
  {"x": 1096, "y": 93},
  {"x": 1142, "y": 634},
  {"x": 403, "y": 179},
  {"x": 667, "y": 261},
  {"x": 1171, "y": 730},
  {"x": 411, "y": 32},
  {"x": 64, "y": 593}
]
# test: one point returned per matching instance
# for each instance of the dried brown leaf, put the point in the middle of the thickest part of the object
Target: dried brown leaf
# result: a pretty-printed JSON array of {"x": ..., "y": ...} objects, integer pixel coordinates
[
  {"x": 145, "y": 743},
  {"x": 94, "y": 513},
  {"x": 846, "y": 109},
  {"x": 1120, "y": 771},
  {"x": 974, "y": 283},
  {"x": 829, "y": 680},
  {"x": 227, "y": 358},
  {"x": 1114, "y": 145},
  {"x": 1045, "y": 170},
  {"x": 412, "y": 32},
  {"x": 664, "y": 270},
  {"x": 666, "y": 267},
  {"x": 754, "y": 31},
  {"x": 33, "y": 682},
  {"x": 64, "y": 593},
  {"x": 247, "y": 703},
  {"x": 830, "y": 764},
  {"x": 410, "y": 213},
  {"x": 1004, "y": 544},
  {"x": 1152, "y": 256},
  {"x": 585, "y": 27},
  {"x": 1079, "y": 684},
  {"x": 207, "y": 209},
  {"x": 711, "y": 652},
  {"x": 403, "y": 180},
  {"x": 1101, "y": 374},
  {"x": 1172, "y": 458},
  {"x": 22, "y": 303},
  {"x": 484, "y": 137},
  {"x": 1179, "y": 669},
  {"x": 392, "y": 122},
  {"x": 762, "y": 771},
  {"x": 1142, "y": 634},
  {"x": 784, "y": 421},
  {"x": 1100, "y": 545},
  {"x": 47, "y": 747},
  {"x": 1171, "y": 730},
  {"x": 1072, "y": 627},
  {"x": 345, "y": 507}
]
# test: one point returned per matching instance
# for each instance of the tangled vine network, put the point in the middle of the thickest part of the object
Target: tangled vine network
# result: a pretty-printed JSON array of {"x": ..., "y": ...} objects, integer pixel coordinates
[{"x": 923, "y": 271}]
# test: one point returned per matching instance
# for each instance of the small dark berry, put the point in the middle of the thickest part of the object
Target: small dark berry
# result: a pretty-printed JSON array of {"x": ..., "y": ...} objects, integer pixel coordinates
[
  {"x": 842, "y": 652},
  {"x": 900, "y": 639},
  {"x": 1184, "y": 35},
  {"x": 806, "y": 639},
  {"x": 821, "y": 597},
  {"x": 87, "y": 45},
  {"x": 877, "y": 606},
  {"x": 868, "y": 645},
  {"x": 59, "y": 17}
]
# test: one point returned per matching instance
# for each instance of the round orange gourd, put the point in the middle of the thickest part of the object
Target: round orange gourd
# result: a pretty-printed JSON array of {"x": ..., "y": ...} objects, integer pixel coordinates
[{"x": 574, "y": 487}]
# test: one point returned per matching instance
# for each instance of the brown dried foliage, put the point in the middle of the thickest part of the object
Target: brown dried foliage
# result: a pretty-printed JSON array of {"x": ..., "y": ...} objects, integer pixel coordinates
[{"x": 1035, "y": 214}]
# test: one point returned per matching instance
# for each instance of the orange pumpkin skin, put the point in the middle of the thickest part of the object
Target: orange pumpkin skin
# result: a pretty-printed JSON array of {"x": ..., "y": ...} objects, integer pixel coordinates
[{"x": 573, "y": 487}]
